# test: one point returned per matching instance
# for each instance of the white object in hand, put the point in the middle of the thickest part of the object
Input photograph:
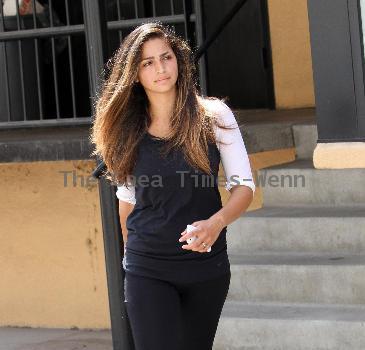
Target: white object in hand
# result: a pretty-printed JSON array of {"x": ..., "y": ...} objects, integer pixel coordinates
[{"x": 190, "y": 228}]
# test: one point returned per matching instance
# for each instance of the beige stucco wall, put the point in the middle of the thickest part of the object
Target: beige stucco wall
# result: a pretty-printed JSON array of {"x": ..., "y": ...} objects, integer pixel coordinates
[
  {"x": 52, "y": 263},
  {"x": 291, "y": 53}
]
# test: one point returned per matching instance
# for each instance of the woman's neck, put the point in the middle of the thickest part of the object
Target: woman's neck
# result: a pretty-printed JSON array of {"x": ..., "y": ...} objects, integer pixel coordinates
[{"x": 160, "y": 108}]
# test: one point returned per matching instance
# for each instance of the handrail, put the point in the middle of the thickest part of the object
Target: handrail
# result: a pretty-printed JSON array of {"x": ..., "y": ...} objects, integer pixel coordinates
[
  {"x": 201, "y": 50},
  {"x": 226, "y": 19}
]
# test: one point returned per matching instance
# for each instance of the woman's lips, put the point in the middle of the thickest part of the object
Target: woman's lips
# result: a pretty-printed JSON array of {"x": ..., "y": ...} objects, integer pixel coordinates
[{"x": 158, "y": 81}]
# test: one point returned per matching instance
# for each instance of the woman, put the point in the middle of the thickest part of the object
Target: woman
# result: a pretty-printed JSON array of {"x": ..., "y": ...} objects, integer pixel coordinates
[{"x": 162, "y": 142}]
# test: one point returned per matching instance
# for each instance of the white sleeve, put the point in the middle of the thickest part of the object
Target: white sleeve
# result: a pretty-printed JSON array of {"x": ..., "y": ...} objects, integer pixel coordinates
[
  {"x": 235, "y": 161},
  {"x": 126, "y": 194}
]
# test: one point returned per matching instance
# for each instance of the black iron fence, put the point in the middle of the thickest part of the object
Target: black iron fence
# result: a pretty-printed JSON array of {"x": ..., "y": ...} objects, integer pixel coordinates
[{"x": 44, "y": 66}]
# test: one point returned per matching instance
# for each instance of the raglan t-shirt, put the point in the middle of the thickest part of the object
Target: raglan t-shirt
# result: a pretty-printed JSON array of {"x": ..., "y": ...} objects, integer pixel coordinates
[{"x": 169, "y": 194}]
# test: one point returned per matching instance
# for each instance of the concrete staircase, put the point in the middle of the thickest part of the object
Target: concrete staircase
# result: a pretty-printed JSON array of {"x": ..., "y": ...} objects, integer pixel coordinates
[{"x": 298, "y": 264}]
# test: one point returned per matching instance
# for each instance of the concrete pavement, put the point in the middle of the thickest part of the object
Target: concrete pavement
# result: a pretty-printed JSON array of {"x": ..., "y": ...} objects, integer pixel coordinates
[{"x": 24, "y": 338}]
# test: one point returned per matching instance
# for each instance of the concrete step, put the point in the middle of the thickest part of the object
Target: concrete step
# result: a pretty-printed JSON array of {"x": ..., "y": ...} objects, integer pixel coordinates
[
  {"x": 305, "y": 140},
  {"x": 270, "y": 326},
  {"x": 268, "y": 136},
  {"x": 298, "y": 278},
  {"x": 262, "y": 116},
  {"x": 299, "y": 184},
  {"x": 268, "y": 130},
  {"x": 299, "y": 229}
]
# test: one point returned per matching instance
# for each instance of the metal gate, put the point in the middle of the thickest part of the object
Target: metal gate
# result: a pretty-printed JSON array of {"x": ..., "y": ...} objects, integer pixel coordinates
[{"x": 46, "y": 71}]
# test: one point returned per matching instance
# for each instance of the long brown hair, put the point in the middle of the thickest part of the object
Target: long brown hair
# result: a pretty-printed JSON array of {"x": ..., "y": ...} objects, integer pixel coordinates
[{"x": 121, "y": 118}]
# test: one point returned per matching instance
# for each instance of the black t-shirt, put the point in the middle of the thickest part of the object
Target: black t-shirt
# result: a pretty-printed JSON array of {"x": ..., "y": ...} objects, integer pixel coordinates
[{"x": 170, "y": 194}]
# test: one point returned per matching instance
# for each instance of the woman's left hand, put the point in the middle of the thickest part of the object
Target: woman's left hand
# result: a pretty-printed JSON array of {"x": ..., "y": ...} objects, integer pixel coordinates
[{"x": 207, "y": 231}]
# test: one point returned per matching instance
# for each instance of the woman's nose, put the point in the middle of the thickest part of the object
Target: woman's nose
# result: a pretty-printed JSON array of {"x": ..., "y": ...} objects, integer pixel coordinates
[{"x": 160, "y": 67}]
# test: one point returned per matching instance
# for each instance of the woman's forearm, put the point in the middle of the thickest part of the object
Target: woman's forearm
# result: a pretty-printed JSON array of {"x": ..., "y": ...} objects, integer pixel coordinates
[{"x": 238, "y": 202}]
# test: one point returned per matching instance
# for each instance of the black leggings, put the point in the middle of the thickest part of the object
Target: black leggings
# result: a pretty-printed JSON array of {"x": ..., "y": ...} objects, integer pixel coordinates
[{"x": 174, "y": 316}]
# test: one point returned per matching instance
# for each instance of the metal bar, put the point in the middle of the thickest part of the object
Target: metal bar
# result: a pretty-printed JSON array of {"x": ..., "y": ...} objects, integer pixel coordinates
[
  {"x": 46, "y": 123},
  {"x": 128, "y": 23},
  {"x": 153, "y": 8},
  {"x": 39, "y": 86},
  {"x": 34, "y": 14},
  {"x": 220, "y": 27},
  {"x": 21, "y": 69},
  {"x": 54, "y": 62},
  {"x": 97, "y": 51},
  {"x": 55, "y": 78},
  {"x": 50, "y": 13},
  {"x": 136, "y": 8},
  {"x": 119, "y": 18},
  {"x": 187, "y": 11},
  {"x": 79, "y": 29},
  {"x": 17, "y": 14},
  {"x": 172, "y": 6},
  {"x": 199, "y": 41},
  {"x": 67, "y": 9},
  {"x": 2, "y": 23},
  {"x": 7, "y": 88},
  {"x": 72, "y": 77},
  {"x": 118, "y": 10}
]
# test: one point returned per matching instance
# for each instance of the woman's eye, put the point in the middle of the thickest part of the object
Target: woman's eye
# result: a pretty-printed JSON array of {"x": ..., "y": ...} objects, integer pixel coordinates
[{"x": 149, "y": 62}]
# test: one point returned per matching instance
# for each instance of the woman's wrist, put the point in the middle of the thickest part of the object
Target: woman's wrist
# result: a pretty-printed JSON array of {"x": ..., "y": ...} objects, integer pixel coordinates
[{"x": 218, "y": 221}]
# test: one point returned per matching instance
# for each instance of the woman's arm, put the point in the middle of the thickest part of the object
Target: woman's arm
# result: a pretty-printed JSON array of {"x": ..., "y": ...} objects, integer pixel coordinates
[
  {"x": 239, "y": 182},
  {"x": 238, "y": 202},
  {"x": 237, "y": 169}
]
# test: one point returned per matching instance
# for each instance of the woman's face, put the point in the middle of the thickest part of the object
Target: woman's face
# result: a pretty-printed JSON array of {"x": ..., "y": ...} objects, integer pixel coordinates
[{"x": 157, "y": 70}]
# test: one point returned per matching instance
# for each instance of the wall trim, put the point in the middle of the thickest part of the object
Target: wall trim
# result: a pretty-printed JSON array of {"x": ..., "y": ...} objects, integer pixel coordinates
[{"x": 340, "y": 155}]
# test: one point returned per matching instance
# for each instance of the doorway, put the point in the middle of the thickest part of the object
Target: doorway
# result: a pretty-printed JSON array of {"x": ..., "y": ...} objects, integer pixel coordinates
[{"x": 239, "y": 63}]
